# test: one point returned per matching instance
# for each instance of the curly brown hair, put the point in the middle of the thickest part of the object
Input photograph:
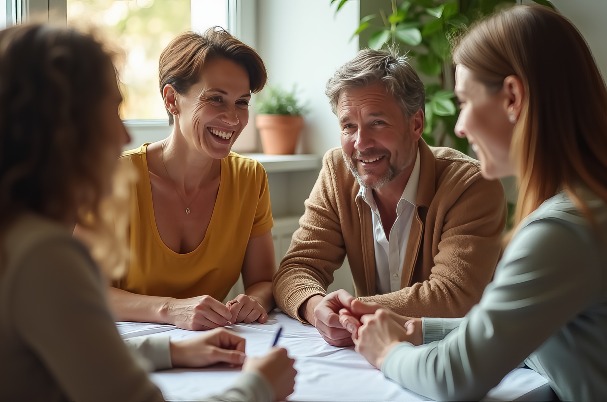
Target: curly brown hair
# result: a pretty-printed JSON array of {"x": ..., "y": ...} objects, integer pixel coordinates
[{"x": 52, "y": 81}]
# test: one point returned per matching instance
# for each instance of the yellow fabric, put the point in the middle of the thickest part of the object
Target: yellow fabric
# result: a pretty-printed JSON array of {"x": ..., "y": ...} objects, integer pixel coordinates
[{"x": 242, "y": 210}]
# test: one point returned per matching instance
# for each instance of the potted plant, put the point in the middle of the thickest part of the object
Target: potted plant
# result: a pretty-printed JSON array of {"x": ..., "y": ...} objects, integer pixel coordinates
[{"x": 279, "y": 119}]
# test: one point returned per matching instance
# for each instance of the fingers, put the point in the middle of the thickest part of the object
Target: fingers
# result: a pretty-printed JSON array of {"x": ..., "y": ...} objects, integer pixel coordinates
[
  {"x": 336, "y": 336},
  {"x": 358, "y": 307},
  {"x": 246, "y": 309},
  {"x": 348, "y": 321},
  {"x": 236, "y": 357},
  {"x": 211, "y": 313},
  {"x": 229, "y": 340},
  {"x": 344, "y": 298}
]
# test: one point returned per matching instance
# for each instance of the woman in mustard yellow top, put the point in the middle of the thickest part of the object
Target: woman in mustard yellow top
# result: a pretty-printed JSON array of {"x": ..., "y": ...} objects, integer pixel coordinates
[{"x": 200, "y": 214}]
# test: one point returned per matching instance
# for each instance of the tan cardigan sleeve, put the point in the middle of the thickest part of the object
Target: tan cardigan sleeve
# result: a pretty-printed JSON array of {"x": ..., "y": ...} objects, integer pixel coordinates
[
  {"x": 317, "y": 248},
  {"x": 461, "y": 244}
]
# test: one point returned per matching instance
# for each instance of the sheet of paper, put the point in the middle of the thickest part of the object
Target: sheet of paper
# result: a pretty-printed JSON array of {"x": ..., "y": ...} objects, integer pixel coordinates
[{"x": 132, "y": 329}]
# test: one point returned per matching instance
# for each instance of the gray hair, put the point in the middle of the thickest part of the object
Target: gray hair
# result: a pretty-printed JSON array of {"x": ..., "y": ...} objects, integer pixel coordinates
[{"x": 384, "y": 66}]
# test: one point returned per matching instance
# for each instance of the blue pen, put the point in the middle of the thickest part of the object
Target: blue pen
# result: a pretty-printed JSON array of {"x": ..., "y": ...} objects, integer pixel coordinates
[{"x": 277, "y": 336}]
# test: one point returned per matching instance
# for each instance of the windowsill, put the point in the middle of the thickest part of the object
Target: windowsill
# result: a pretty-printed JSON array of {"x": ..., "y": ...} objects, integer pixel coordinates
[
  {"x": 155, "y": 130},
  {"x": 286, "y": 163}
]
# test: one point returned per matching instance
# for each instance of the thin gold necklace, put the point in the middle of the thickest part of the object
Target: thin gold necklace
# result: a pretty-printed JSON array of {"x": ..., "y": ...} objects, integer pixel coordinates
[{"x": 187, "y": 205}]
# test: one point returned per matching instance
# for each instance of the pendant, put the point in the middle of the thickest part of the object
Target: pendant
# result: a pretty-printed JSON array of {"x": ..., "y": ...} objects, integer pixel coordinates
[{"x": 187, "y": 211}]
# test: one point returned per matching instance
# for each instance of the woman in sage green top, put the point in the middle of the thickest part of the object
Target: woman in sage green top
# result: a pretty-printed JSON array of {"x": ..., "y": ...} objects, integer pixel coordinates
[{"x": 533, "y": 105}]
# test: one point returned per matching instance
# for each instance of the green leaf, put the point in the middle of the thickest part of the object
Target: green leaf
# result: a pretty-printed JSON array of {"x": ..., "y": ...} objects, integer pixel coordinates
[
  {"x": 410, "y": 36},
  {"x": 429, "y": 64},
  {"x": 443, "y": 94},
  {"x": 459, "y": 21},
  {"x": 432, "y": 27},
  {"x": 367, "y": 18},
  {"x": 360, "y": 28},
  {"x": 443, "y": 106},
  {"x": 379, "y": 39},
  {"x": 396, "y": 17},
  {"x": 275, "y": 100},
  {"x": 451, "y": 8},
  {"x": 439, "y": 44},
  {"x": 340, "y": 5},
  {"x": 436, "y": 11}
]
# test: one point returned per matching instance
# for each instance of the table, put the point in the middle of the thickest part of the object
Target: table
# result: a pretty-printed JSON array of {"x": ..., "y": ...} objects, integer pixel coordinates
[{"x": 325, "y": 372}]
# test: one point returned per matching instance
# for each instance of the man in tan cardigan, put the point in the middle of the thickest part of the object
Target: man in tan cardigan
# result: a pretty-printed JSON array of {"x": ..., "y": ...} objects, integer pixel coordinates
[{"x": 420, "y": 226}]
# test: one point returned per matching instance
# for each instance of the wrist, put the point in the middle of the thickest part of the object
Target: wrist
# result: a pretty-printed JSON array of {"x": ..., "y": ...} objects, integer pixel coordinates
[
  {"x": 382, "y": 357},
  {"x": 306, "y": 310},
  {"x": 164, "y": 311},
  {"x": 177, "y": 357}
]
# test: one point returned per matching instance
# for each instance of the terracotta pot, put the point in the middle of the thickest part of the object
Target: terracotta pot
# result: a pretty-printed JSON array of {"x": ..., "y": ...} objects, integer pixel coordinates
[{"x": 279, "y": 133}]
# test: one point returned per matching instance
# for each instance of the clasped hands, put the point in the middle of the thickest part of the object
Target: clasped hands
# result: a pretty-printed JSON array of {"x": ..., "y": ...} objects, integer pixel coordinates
[
  {"x": 205, "y": 312},
  {"x": 343, "y": 320}
]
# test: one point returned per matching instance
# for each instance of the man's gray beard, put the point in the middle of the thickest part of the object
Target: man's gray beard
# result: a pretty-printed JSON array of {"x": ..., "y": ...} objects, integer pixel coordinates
[{"x": 387, "y": 178}]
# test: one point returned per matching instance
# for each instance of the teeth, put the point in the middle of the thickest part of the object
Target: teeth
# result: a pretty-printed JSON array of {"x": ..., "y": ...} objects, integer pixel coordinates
[
  {"x": 370, "y": 160},
  {"x": 226, "y": 135}
]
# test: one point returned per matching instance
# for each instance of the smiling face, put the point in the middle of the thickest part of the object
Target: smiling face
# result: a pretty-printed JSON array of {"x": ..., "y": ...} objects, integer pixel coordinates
[
  {"x": 214, "y": 111},
  {"x": 484, "y": 120},
  {"x": 378, "y": 141}
]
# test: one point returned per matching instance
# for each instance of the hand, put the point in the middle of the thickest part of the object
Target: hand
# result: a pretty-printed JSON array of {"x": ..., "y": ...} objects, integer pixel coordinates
[
  {"x": 277, "y": 368},
  {"x": 382, "y": 331},
  {"x": 244, "y": 308},
  {"x": 326, "y": 317},
  {"x": 216, "y": 346},
  {"x": 350, "y": 317},
  {"x": 197, "y": 313}
]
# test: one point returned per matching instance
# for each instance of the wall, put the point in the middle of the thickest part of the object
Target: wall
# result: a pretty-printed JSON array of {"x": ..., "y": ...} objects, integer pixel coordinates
[
  {"x": 590, "y": 17},
  {"x": 303, "y": 42}
]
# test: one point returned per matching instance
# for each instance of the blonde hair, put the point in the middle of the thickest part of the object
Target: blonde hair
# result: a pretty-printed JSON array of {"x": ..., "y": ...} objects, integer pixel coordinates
[{"x": 560, "y": 140}]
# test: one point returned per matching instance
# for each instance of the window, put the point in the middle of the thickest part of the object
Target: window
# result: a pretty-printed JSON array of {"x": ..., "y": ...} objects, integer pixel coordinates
[
  {"x": 142, "y": 28},
  {"x": 10, "y": 13}
]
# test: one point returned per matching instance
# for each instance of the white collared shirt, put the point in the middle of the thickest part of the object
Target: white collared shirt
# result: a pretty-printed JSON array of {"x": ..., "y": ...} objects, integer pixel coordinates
[{"x": 390, "y": 254}]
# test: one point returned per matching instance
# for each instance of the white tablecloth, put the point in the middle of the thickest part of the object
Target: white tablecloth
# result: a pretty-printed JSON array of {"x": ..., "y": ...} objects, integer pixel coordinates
[{"x": 325, "y": 372}]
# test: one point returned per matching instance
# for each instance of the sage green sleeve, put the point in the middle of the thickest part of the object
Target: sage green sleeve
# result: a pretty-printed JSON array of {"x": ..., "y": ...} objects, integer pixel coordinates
[{"x": 534, "y": 294}]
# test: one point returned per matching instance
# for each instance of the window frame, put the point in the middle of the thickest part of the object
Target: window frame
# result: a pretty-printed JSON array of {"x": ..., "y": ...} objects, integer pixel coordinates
[{"x": 241, "y": 23}]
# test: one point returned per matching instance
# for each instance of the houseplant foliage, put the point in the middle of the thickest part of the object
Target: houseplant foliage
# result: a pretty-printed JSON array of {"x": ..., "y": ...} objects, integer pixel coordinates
[
  {"x": 424, "y": 29},
  {"x": 279, "y": 119}
]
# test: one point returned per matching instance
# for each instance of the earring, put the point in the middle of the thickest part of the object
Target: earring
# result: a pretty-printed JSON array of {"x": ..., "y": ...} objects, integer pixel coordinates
[{"x": 512, "y": 117}]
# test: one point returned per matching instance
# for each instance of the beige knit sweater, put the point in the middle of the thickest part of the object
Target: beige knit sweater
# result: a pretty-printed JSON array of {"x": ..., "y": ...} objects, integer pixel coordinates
[{"x": 453, "y": 246}]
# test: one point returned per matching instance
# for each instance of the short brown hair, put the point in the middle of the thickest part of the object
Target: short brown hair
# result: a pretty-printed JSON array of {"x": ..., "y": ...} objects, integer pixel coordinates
[{"x": 184, "y": 57}]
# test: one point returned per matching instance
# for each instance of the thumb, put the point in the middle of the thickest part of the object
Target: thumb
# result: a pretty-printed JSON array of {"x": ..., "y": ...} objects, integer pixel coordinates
[{"x": 229, "y": 356}]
